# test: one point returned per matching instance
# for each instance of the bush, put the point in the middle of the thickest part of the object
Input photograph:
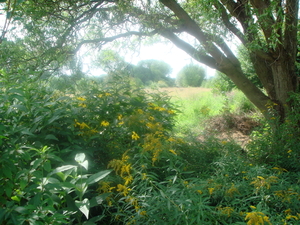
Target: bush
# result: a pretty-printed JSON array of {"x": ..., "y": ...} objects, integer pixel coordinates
[{"x": 190, "y": 76}]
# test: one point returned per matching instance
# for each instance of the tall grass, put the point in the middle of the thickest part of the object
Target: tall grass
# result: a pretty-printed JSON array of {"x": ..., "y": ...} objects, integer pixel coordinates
[{"x": 197, "y": 108}]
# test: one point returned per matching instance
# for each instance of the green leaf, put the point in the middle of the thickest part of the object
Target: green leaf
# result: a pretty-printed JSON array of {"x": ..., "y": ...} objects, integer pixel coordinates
[
  {"x": 98, "y": 176},
  {"x": 84, "y": 206},
  {"x": 16, "y": 198},
  {"x": 79, "y": 157},
  {"x": 47, "y": 166},
  {"x": 85, "y": 164},
  {"x": 99, "y": 199},
  {"x": 51, "y": 137},
  {"x": 35, "y": 164},
  {"x": 7, "y": 172},
  {"x": 62, "y": 168},
  {"x": 8, "y": 189},
  {"x": 1, "y": 1}
]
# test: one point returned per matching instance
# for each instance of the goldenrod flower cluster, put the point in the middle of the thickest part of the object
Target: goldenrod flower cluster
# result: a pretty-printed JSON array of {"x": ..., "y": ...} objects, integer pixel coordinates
[
  {"x": 227, "y": 211},
  {"x": 257, "y": 218},
  {"x": 260, "y": 182}
]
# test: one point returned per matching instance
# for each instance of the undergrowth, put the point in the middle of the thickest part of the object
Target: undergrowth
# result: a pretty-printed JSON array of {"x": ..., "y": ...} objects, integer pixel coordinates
[{"x": 113, "y": 155}]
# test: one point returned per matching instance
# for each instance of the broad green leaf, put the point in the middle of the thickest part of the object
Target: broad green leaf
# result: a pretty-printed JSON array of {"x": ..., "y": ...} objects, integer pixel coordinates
[
  {"x": 47, "y": 166},
  {"x": 51, "y": 137},
  {"x": 21, "y": 209},
  {"x": 84, "y": 206},
  {"x": 55, "y": 117},
  {"x": 62, "y": 168},
  {"x": 7, "y": 172},
  {"x": 85, "y": 164},
  {"x": 27, "y": 132},
  {"x": 16, "y": 198},
  {"x": 36, "y": 163},
  {"x": 98, "y": 176},
  {"x": 79, "y": 157},
  {"x": 98, "y": 199},
  {"x": 8, "y": 189},
  {"x": 36, "y": 200}
]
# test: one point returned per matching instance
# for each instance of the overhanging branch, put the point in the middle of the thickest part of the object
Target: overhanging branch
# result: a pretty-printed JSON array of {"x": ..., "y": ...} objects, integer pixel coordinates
[
  {"x": 202, "y": 58},
  {"x": 105, "y": 40}
]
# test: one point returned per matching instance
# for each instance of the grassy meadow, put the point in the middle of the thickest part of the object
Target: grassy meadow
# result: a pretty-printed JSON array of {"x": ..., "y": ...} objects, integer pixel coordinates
[{"x": 118, "y": 154}]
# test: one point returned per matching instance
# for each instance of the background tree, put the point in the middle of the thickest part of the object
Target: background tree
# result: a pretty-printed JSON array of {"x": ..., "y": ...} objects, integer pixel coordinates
[
  {"x": 268, "y": 29},
  {"x": 190, "y": 75},
  {"x": 152, "y": 70}
]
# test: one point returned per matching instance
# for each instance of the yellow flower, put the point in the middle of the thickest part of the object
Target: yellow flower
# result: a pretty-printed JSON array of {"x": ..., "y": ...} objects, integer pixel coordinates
[
  {"x": 200, "y": 192},
  {"x": 260, "y": 182},
  {"x": 107, "y": 94},
  {"x": 104, "y": 123},
  {"x": 289, "y": 151},
  {"x": 82, "y": 105},
  {"x": 288, "y": 217},
  {"x": 173, "y": 152},
  {"x": 135, "y": 136},
  {"x": 280, "y": 170},
  {"x": 257, "y": 218},
  {"x": 144, "y": 176},
  {"x": 151, "y": 118},
  {"x": 288, "y": 211},
  {"x": 120, "y": 117},
  {"x": 171, "y": 139},
  {"x": 226, "y": 210},
  {"x": 122, "y": 188},
  {"x": 211, "y": 190},
  {"x": 140, "y": 111},
  {"x": 81, "y": 99},
  {"x": 143, "y": 213},
  {"x": 128, "y": 179},
  {"x": 232, "y": 190},
  {"x": 105, "y": 187},
  {"x": 171, "y": 112},
  {"x": 81, "y": 125}
]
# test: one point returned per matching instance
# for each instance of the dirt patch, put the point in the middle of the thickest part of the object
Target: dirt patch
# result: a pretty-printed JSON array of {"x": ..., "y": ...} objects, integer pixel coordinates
[{"x": 231, "y": 127}]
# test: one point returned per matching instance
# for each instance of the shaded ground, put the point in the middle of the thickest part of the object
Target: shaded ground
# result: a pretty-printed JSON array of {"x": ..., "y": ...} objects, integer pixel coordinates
[{"x": 231, "y": 127}]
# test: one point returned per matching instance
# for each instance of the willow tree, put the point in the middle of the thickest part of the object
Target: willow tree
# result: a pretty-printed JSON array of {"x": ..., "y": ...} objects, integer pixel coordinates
[{"x": 201, "y": 28}]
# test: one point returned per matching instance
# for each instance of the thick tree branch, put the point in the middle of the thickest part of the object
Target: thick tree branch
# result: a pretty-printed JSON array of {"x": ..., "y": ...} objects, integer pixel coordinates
[
  {"x": 200, "y": 57},
  {"x": 228, "y": 24},
  {"x": 192, "y": 28}
]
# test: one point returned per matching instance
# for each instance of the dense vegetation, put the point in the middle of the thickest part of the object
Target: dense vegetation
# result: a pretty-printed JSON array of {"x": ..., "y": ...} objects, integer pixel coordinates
[
  {"x": 116, "y": 154},
  {"x": 105, "y": 150}
]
